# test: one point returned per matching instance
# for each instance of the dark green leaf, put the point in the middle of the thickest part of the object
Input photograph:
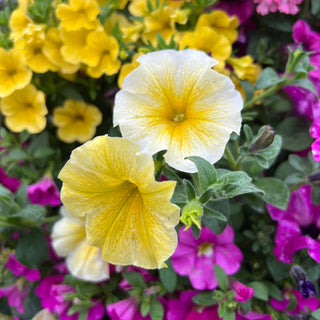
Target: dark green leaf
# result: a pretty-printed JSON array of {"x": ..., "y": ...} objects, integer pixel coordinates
[
  {"x": 229, "y": 315},
  {"x": 248, "y": 89},
  {"x": 268, "y": 77},
  {"x": 315, "y": 7},
  {"x": 260, "y": 290},
  {"x": 215, "y": 225},
  {"x": 316, "y": 314},
  {"x": 43, "y": 152},
  {"x": 168, "y": 277},
  {"x": 292, "y": 303},
  {"x": 221, "y": 277},
  {"x": 204, "y": 299},
  {"x": 135, "y": 279},
  {"x": 305, "y": 84},
  {"x": 214, "y": 214},
  {"x": 32, "y": 248},
  {"x": 195, "y": 231},
  {"x": 276, "y": 192},
  {"x": 298, "y": 163},
  {"x": 206, "y": 196},
  {"x": 145, "y": 306},
  {"x": 315, "y": 195},
  {"x": 189, "y": 189},
  {"x": 156, "y": 309},
  {"x": 70, "y": 92},
  {"x": 32, "y": 214}
]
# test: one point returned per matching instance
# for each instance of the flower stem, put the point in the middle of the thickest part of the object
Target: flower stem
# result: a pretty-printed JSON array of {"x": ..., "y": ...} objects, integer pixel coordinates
[{"x": 230, "y": 157}]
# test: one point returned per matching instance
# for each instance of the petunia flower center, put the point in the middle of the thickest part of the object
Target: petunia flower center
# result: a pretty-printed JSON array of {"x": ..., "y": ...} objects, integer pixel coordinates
[
  {"x": 205, "y": 249},
  {"x": 310, "y": 230},
  {"x": 12, "y": 72},
  {"x": 179, "y": 118},
  {"x": 79, "y": 117}
]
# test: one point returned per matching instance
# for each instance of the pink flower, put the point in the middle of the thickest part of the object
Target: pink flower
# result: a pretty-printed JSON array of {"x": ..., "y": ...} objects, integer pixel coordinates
[
  {"x": 284, "y": 6},
  {"x": 195, "y": 257},
  {"x": 127, "y": 309},
  {"x": 184, "y": 309},
  {"x": 16, "y": 295},
  {"x": 44, "y": 192},
  {"x": 19, "y": 269},
  {"x": 303, "y": 304},
  {"x": 243, "y": 293},
  {"x": 12, "y": 184},
  {"x": 251, "y": 315},
  {"x": 298, "y": 226}
]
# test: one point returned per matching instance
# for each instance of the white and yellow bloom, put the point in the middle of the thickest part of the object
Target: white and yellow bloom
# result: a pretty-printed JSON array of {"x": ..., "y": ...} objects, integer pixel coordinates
[
  {"x": 69, "y": 240},
  {"x": 129, "y": 215},
  {"x": 175, "y": 101}
]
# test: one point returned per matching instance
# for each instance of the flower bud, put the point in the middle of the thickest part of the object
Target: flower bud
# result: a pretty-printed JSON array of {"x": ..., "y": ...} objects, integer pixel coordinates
[
  {"x": 191, "y": 214},
  {"x": 314, "y": 176},
  {"x": 263, "y": 141}
]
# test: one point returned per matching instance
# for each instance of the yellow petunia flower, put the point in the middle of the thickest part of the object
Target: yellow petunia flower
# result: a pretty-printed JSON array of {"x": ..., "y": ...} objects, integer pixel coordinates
[
  {"x": 52, "y": 50},
  {"x": 220, "y": 22},
  {"x": 14, "y": 73},
  {"x": 73, "y": 44},
  {"x": 209, "y": 41},
  {"x": 18, "y": 22},
  {"x": 129, "y": 215},
  {"x": 69, "y": 240},
  {"x": 76, "y": 121},
  {"x": 25, "y": 109},
  {"x": 175, "y": 101},
  {"x": 78, "y": 14},
  {"x": 101, "y": 54}
]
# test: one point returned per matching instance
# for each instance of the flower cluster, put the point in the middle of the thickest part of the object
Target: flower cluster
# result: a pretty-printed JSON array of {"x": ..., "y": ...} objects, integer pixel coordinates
[{"x": 159, "y": 159}]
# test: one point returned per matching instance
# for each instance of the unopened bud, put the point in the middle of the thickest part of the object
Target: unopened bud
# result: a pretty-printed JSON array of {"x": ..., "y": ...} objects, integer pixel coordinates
[
  {"x": 263, "y": 141},
  {"x": 314, "y": 177},
  {"x": 299, "y": 276},
  {"x": 191, "y": 214}
]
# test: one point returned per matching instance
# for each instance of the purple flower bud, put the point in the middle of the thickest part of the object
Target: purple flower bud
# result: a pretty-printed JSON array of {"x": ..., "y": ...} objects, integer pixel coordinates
[
  {"x": 263, "y": 141},
  {"x": 299, "y": 276}
]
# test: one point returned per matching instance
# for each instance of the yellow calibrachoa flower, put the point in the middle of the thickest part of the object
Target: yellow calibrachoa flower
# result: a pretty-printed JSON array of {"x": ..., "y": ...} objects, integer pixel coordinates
[
  {"x": 127, "y": 68},
  {"x": 76, "y": 121},
  {"x": 220, "y": 22},
  {"x": 69, "y": 240},
  {"x": 208, "y": 40},
  {"x": 101, "y": 54},
  {"x": 52, "y": 49},
  {"x": 25, "y": 109},
  {"x": 129, "y": 215},
  {"x": 175, "y": 101},
  {"x": 18, "y": 23},
  {"x": 14, "y": 73},
  {"x": 78, "y": 14}
]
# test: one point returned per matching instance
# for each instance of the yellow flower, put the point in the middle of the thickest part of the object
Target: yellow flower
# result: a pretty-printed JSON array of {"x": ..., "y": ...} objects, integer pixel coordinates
[
  {"x": 139, "y": 8},
  {"x": 207, "y": 40},
  {"x": 127, "y": 68},
  {"x": 78, "y": 14},
  {"x": 73, "y": 44},
  {"x": 76, "y": 121},
  {"x": 25, "y": 109},
  {"x": 174, "y": 101},
  {"x": 18, "y": 23},
  {"x": 220, "y": 22},
  {"x": 69, "y": 240},
  {"x": 52, "y": 49},
  {"x": 129, "y": 215},
  {"x": 101, "y": 54},
  {"x": 14, "y": 73}
]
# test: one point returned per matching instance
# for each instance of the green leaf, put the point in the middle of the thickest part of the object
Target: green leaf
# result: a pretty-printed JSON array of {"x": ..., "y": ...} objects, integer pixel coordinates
[
  {"x": 32, "y": 305},
  {"x": 315, "y": 7},
  {"x": 189, "y": 188},
  {"x": 18, "y": 154},
  {"x": 21, "y": 195},
  {"x": 268, "y": 77},
  {"x": 316, "y": 314},
  {"x": 229, "y": 315},
  {"x": 278, "y": 270},
  {"x": 215, "y": 225},
  {"x": 32, "y": 248},
  {"x": 260, "y": 290},
  {"x": 204, "y": 299},
  {"x": 32, "y": 214},
  {"x": 135, "y": 279},
  {"x": 168, "y": 277},
  {"x": 292, "y": 303},
  {"x": 248, "y": 133},
  {"x": 145, "y": 306},
  {"x": 305, "y": 84},
  {"x": 298, "y": 163},
  {"x": 206, "y": 196},
  {"x": 248, "y": 89},
  {"x": 43, "y": 152},
  {"x": 214, "y": 213},
  {"x": 276, "y": 192},
  {"x": 206, "y": 172},
  {"x": 274, "y": 291},
  {"x": 70, "y": 92},
  {"x": 315, "y": 195},
  {"x": 221, "y": 277},
  {"x": 195, "y": 231},
  {"x": 156, "y": 309}
]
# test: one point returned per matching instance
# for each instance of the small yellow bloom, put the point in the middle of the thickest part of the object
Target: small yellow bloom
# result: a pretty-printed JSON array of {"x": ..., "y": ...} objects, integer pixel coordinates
[
  {"x": 139, "y": 8},
  {"x": 127, "y": 68},
  {"x": 18, "y": 22},
  {"x": 25, "y": 109},
  {"x": 220, "y": 22},
  {"x": 101, "y": 54},
  {"x": 52, "y": 49},
  {"x": 208, "y": 40},
  {"x": 69, "y": 240},
  {"x": 129, "y": 215},
  {"x": 76, "y": 121},
  {"x": 14, "y": 73},
  {"x": 73, "y": 44},
  {"x": 78, "y": 14},
  {"x": 175, "y": 101}
]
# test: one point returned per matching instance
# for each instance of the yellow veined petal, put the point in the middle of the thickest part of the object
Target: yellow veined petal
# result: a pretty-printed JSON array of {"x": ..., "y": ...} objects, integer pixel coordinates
[
  {"x": 172, "y": 100},
  {"x": 129, "y": 214}
]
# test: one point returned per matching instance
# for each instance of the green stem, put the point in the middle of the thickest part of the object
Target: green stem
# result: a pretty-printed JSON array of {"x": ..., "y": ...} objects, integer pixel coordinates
[
  {"x": 196, "y": 183},
  {"x": 51, "y": 219},
  {"x": 231, "y": 160},
  {"x": 5, "y": 223},
  {"x": 270, "y": 91}
]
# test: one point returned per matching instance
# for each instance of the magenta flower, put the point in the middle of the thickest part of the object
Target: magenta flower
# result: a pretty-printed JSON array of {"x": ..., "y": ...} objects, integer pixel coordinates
[
  {"x": 10, "y": 183},
  {"x": 251, "y": 315},
  {"x": 303, "y": 304},
  {"x": 184, "y": 309},
  {"x": 284, "y": 6},
  {"x": 243, "y": 293},
  {"x": 16, "y": 295},
  {"x": 44, "y": 192},
  {"x": 127, "y": 309},
  {"x": 195, "y": 257},
  {"x": 19, "y": 269},
  {"x": 298, "y": 226}
]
